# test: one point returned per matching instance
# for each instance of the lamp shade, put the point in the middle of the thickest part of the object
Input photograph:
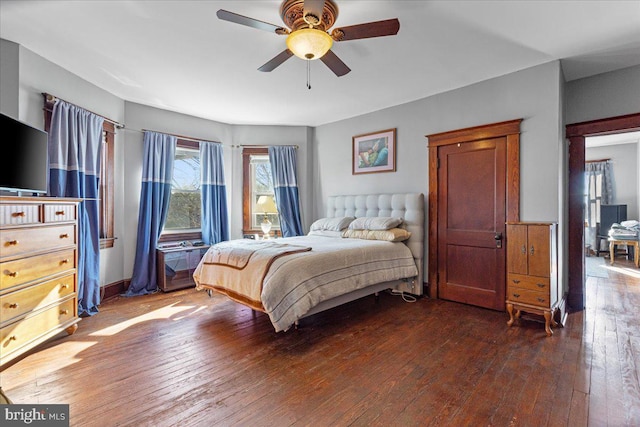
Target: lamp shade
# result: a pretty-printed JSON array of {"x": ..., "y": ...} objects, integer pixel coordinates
[
  {"x": 309, "y": 43},
  {"x": 266, "y": 205}
]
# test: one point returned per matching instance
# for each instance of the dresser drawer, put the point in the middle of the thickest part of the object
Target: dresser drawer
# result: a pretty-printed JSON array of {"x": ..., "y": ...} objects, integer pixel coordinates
[
  {"x": 22, "y": 332},
  {"x": 533, "y": 283},
  {"x": 29, "y": 299},
  {"x": 59, "y": 212},
  {"x": 38, "y": 239},
  {"x": 19, "y": 214},
  {"x": 24, "y": 270},
  {"x": 527, "y": 296}
]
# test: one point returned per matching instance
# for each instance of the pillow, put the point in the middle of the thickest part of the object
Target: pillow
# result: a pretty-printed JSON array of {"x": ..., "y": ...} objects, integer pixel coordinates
[
  {"x": 375, "y": 223},
  {"x": 391, "y": 235},
  {"x": 326, "y": 233},
  {"x": 334, "y": 224}
]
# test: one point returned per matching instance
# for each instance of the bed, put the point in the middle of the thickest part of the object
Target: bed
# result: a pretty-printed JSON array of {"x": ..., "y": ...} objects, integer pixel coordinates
[{"x": 292, "y": 278}]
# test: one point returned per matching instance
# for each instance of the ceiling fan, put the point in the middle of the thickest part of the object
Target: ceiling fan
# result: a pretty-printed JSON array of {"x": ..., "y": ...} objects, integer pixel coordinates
[{"x": 308, "y": 22}]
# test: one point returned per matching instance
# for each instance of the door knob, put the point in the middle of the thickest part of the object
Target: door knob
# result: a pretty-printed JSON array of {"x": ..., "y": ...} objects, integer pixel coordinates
[{"x": 498, "y": 238}]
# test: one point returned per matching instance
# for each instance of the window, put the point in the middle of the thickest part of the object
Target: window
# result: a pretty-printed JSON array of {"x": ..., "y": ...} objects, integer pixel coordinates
[
  {"x": 258, "y": 193},
  {"x": 106, "y": 174},
  {"x": 185, "y": 211},
  {"x": 106, "y": 186}
]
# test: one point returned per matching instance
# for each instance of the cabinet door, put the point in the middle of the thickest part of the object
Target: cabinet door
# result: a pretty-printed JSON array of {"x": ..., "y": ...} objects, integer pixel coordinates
[
  {"x": 517, "y": 249},
  {"x": 538, "y": 239}
]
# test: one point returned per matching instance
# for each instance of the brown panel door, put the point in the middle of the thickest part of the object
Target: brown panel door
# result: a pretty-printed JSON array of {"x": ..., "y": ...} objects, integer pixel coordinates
[{"x": 471, "y": 222}]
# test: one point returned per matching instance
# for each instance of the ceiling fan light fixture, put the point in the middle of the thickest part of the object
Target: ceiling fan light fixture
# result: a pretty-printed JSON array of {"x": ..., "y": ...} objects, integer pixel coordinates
[{"x": 309, "y": 43}]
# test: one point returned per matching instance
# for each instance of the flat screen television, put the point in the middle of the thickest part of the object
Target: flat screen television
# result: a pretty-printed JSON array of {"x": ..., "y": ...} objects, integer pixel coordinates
[{"x": 24, "y": 164}]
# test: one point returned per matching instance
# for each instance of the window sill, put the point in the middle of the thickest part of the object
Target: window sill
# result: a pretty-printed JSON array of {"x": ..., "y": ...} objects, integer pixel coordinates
[{"x": 107, "y": 242}]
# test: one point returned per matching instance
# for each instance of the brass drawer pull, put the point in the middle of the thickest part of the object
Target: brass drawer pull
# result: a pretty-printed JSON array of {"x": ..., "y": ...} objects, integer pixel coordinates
[
  {"x": 516, "y": 281},
  {"x": 541, "y": 299},
  {"x": 63, "y": 312},
  {"x": 524, "y": 249},
  {"x": 516, "y": 295},
  {"x": 65, "y": 261},
  {"x": 12, "y": 243},
  {"x": 59, "y": 212},
  {"x": 65, "y": 286},
  {"x": 12, "y": 274},
  {"x": 19, "y": 214},
  {"x": 13, "y": 338},
  {"x": 541, "y": 285},
  {"x": 64, "y": 236},
  {"x": 14, "y": 305}
]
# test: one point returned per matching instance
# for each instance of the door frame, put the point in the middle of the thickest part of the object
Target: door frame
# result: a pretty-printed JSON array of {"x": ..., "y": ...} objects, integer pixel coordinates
[
  {"x": 575, "y": 137},
  {"x": 509, "y": 129}
]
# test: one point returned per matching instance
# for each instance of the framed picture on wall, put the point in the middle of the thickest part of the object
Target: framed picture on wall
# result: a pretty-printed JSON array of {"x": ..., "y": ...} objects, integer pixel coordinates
[{"x": 374, "y": 152}]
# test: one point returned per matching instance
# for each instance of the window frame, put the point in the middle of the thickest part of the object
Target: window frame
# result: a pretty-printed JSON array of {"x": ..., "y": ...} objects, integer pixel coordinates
[
  {"x": 106, "y": 181},
  {"x": 247, "y": 227},
  {"x": 190, "y": 235}
]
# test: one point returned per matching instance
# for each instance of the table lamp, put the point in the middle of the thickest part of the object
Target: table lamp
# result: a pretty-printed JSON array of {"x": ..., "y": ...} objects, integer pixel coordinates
[{"x": 267, "y": 205}]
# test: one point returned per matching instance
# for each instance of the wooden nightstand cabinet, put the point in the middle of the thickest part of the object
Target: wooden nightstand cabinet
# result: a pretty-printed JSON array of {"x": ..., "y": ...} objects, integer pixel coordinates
[
  {"x": 38, "y": 260},
  {"x": 532, "y": 271}
]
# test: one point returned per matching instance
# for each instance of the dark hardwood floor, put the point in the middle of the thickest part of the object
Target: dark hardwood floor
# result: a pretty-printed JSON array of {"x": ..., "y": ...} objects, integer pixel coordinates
[{"x": 184, "y": 359}]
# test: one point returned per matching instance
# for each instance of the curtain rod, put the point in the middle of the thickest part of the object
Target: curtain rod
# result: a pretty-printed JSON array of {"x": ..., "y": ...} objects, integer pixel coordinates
[
  {"x": 52, "y": 98},
  {"x": 186, "y": 138},
  {"x": 263, "y": 146},
  {"x": 596, "y": 161}
]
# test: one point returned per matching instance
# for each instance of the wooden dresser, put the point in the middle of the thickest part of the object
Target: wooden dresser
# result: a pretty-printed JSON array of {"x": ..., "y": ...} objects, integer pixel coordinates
[
  {"x": 532, "y": 271},
  {"x": 38, "y": 259}
]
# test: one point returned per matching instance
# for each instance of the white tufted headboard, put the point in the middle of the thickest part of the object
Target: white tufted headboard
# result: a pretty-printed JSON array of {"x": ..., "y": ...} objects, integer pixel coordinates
[{"x": 409, "y": 206}]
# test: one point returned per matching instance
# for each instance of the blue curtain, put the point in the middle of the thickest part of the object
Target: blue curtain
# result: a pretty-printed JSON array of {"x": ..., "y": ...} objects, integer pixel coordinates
[
  {"x": 285, "y": 184},
  {"x": 157, "y": 173},
  {"x": 75, "y": 144},
  {"x": 215, "y": 222}
]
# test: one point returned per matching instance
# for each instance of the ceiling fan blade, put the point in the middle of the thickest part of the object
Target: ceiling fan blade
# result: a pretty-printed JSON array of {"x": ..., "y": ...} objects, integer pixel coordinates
[
  {"x": 315, "y": 8},
  {"x": 225, "y": 15},
  {"x": 335, "y": 64},
  {"x": 387, "y": 27},
  {"x": 277, "y": 61}
]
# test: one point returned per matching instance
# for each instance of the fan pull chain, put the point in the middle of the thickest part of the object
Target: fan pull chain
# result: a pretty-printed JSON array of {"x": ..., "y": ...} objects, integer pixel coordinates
[{"x": 309, "y": 74}]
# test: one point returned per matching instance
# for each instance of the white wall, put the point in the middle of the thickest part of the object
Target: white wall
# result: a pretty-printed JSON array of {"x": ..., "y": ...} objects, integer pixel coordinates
[
  {"x": 26, "y": 75},
  {"x": 532, "y": 94},
  {"x": 139, "y": 117},
  {"x": 624, "y": 165},
  {"x": 38, "y": 75},
  {"x": 9, "y": 78},
  {"x": 612, "y": 94},
  {"x": 272, "y": 135}
]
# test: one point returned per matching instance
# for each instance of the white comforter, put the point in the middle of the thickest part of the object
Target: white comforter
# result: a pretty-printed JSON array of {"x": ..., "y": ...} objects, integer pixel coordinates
[{"x": 335, "y": 266}]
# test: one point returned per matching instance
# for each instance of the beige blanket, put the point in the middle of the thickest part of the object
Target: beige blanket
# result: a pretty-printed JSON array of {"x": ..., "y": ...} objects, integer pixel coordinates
[
  {"x": 238, "y": 268},
  {"x": 295, "y": 283}
]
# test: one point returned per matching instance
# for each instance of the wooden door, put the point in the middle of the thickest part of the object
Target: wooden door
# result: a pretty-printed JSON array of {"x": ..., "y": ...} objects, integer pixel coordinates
[{"x": 471, "y": 222}]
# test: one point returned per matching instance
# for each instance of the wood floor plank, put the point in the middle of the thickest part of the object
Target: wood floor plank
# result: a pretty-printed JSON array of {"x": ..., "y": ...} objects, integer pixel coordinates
[{"x": 185, "y": 359}]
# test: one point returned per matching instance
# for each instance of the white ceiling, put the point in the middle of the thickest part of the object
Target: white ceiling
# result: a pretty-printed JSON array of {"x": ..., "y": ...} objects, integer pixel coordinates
[
  {"x": 178, "y": 56},
  {"x": 606, "y": 140}
]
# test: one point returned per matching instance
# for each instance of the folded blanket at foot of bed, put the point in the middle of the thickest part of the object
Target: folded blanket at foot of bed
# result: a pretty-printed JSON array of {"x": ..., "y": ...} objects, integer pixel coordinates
[{"x": 237, "y": 268}]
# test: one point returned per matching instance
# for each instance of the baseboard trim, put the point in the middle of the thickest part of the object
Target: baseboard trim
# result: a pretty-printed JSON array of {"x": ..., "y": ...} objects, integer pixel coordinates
[
  {"x": 562, "y": 313},
  {"x": 114, "y": 289}
]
